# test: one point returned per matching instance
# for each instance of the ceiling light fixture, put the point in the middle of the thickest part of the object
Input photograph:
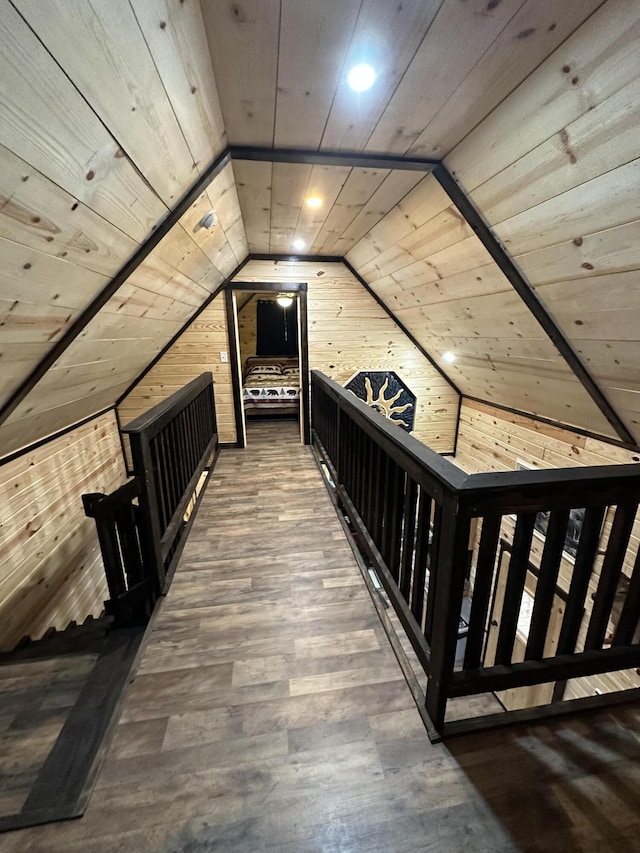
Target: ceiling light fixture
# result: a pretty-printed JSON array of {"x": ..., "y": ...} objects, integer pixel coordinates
[
  {"x": 361, "y": 77},
  {"x": 314, "y": 201},
  {"x": 449, "y": 357},
  {"x": 284, "y": 300},
  {"x": 298, "y": 245},
  {"x": 208, "y": 221}
]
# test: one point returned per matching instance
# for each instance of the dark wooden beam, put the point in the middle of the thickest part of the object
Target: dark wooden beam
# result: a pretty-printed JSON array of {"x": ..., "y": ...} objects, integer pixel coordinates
[
  {"x": 332, "y": 158},
  {"x": 268, "y": 286},
  {"x": 529, "y": 297},
  {"x": 234, "y": 359},
  {"x": 319, "y": 259},
  {"x": 85, "y": 317}
]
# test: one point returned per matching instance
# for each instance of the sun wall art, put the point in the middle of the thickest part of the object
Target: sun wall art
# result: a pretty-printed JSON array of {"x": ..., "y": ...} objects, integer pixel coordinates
[{"x": 387, "y": 393}]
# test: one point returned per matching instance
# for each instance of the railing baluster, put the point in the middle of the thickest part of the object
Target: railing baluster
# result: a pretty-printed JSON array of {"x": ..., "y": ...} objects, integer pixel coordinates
[
  {"x": 630, "y": 615},
  {"x": 408, "y": 537},
  {"x": 582, "y": 570},
  {"x": 610, "y": 574},
  {"x": 433, "y": 564},
  {"x": 421, "y": 555},
  {"x": 517, "y": 575},
  {"x": 483, "y": 585},
  {"x": 546, "y": 585}
]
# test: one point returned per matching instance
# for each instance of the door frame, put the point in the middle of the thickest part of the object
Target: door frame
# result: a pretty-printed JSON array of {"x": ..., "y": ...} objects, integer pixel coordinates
[{"x": 300, "y": 290}]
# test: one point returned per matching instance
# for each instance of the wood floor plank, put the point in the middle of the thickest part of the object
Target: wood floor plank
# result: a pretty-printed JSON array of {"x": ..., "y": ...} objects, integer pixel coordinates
[{"x": 269, "y": 712}]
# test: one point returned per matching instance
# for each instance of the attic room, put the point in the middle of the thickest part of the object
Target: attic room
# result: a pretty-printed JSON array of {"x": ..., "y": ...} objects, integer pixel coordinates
[{"x": 220, "y": 626}]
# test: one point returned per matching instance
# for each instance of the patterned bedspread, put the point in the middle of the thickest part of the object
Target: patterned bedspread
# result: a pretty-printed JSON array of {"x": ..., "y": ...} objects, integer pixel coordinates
[{"x": 264, "y": 391}]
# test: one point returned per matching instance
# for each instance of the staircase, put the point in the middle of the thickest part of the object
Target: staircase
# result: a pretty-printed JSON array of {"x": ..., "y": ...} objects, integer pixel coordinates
[{"x": 58, "y": 698}]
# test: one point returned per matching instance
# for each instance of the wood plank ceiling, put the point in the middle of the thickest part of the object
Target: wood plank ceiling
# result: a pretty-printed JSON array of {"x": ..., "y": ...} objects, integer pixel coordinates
[{"x": 109, "y": 111}]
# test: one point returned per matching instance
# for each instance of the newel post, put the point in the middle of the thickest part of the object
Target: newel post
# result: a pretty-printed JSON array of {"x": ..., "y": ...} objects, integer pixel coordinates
[
  {"x": 143, "y": 465},
  {"x": 448, "y": 575}
]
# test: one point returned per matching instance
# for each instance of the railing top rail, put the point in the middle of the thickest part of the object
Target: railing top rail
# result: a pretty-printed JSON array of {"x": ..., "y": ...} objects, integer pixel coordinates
[
  {"x": 448, "y": 474},
  {"x": 526, "y": 489},
  {"x": 164, "y": 412}
]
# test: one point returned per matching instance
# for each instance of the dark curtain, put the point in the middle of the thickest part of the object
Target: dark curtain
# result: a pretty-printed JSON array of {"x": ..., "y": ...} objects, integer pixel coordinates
[{"x": 277, "y": 329}]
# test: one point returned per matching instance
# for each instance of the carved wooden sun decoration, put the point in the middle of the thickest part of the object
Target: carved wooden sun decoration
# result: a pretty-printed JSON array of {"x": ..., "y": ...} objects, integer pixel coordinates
[{"x": 387, "y": 393}]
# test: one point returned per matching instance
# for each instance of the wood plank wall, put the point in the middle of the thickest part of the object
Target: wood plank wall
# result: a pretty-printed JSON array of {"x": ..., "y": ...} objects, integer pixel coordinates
[
  {"x": 108, "y": 114},
  {"x": 427, "y": 265},
  {"x": 555, "y": 169},
  {"x": 493, "y": 440},
  {"x": 198, "y": 349},
  {"x": 348, "y": 332},
  {"x": 50, "y": 564}
]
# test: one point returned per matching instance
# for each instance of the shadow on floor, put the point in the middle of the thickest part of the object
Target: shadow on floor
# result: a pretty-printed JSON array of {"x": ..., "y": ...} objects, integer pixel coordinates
[{"x": 566, "y": 786}]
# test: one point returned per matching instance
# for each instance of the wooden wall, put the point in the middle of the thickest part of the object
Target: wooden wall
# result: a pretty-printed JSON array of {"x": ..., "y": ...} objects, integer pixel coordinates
[
  {"x": 492, "y": 440},
  {"x": 108, "y": 114},
  {"x": 555, "y": 170},
  {"x": 427, "y": 265},
  {"x": 197, "y": 350},
  {"x": 348, "y": 331},
  {"x": 50, "y": 564}
]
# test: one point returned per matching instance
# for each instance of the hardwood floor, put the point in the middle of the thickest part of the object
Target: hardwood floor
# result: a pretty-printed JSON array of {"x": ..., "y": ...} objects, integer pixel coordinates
[{"x": 269, "y": 712}]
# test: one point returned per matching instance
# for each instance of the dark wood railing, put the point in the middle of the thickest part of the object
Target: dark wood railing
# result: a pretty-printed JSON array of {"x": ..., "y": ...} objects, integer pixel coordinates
[
  {"x": 417, "y": 516},
  {"x": 171, "y": 445},
  {"x": 131, "y": 590}
]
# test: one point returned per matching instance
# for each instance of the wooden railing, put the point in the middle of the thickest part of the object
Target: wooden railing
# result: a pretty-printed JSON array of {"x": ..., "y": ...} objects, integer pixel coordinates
[
  {"x": 171, "y": 445},
  {"x": 131, "y": 591},
  {"x": 433, "y": 535}
]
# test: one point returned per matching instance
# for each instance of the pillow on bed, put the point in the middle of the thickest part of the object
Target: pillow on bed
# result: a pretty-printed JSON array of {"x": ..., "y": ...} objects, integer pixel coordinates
[{"x": 264, "y": 369}]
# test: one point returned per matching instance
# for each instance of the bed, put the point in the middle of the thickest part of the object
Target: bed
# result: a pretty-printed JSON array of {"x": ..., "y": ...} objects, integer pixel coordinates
[{"x": 271, "y": 386}]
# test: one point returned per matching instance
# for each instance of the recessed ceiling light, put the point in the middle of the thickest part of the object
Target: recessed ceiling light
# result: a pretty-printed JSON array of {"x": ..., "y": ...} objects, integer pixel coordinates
[
  {"x": 361, "y": 77},
  {"x": 298, "y": 245},
  {"x": 314, "y": 201},
  {"x": 449, "y": 357}
]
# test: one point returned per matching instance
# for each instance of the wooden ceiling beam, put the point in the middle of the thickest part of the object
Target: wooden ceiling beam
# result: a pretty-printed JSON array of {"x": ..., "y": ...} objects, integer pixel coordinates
[
  {"x": 309, "y": 157},
  {"x": 528, "y": 295}
]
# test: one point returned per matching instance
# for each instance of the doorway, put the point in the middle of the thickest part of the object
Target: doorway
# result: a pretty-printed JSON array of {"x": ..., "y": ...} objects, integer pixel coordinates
[{"x": 269, "y": 353}]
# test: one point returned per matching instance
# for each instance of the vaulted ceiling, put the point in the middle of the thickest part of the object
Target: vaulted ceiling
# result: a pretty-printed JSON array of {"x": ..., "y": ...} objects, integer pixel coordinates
[{"x": 112, "y": 110}]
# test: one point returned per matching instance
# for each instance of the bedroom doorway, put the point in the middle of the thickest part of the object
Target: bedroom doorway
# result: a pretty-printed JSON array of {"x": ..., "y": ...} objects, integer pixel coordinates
[{"x": 269, "y": 353}]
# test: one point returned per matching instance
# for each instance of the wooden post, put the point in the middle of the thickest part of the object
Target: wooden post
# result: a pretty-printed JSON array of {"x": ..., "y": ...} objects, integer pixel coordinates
[{"x": 450, "y": 577}]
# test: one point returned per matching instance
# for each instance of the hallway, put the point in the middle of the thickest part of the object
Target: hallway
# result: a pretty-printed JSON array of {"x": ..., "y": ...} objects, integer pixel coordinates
[{"x": 269, "y": 711}]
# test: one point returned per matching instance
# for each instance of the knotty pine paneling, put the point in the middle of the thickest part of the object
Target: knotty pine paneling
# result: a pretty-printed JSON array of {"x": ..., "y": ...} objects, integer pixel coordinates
[
  {"x": 197, "y": 350},
  {"x": 272, "y": 198},
  {"x": 108, "y": 116},
  {"x": 555, "y": 171},
  {"x": 126, "y": 334},
  {"x": 492, "y": 440},
  {"x": 109, "y": 61},
  {"x": 348, "y": 332},
  {"x": 426, "y": 264},
  {"x": 50, "y": 564}
]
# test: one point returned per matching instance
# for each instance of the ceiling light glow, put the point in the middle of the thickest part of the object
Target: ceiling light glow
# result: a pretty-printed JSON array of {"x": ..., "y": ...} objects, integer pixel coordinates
[
  {"x": 284, "y": 301},
  {"x": 314, "y": 201},
  {"x": 361, "y": 77},
  {"x": 298, "y": 245},
  {"x": 449, "y": 357}
]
